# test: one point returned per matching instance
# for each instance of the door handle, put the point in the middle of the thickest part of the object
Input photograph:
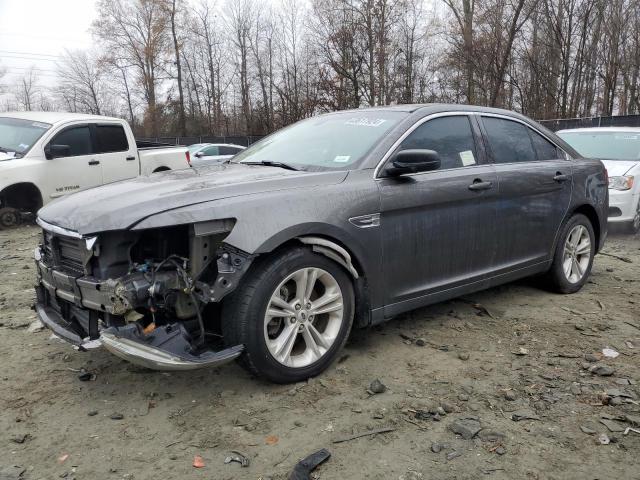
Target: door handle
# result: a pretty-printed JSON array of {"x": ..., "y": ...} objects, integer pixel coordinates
[
  {"x": 94, "y": 162},
  {"x": 560, "y": 177},
  {"x": 131, "y": 157},
  {"x": 478, "y": 184}
]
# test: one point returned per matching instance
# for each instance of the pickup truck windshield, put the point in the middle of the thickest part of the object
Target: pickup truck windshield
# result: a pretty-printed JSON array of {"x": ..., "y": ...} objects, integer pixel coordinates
[
  {"x": 605, "y": 145},
  {"x": 18, "y": 135},
  {"x": 329, "y": 142}
]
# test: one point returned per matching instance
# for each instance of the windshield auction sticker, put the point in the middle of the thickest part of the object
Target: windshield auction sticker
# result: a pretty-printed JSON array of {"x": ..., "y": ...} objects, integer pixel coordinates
[{"x": 365, "y": 122}]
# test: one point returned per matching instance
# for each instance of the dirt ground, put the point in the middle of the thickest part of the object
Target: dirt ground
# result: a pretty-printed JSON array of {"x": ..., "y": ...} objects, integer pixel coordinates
[{"x": 523, "y": 355}]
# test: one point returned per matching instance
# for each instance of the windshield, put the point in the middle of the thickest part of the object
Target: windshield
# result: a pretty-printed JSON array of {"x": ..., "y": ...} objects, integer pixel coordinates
[
  {"x": 196, "y": 146},
  {"x": 604, "y": 145},
  {"x": 18, "y": 135},
  {"x": 327, "y": 142}
]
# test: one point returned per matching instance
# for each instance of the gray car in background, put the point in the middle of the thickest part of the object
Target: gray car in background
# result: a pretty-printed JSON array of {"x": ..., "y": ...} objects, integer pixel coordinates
[
  {"x": 212, "y": 153},
  {"x": 345, "y": 219}
]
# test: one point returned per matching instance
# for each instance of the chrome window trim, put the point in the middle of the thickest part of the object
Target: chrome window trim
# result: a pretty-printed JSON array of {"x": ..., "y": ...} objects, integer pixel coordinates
[
  {"x": 59, "y": 230},
  {"x": 397, "y": 143}
]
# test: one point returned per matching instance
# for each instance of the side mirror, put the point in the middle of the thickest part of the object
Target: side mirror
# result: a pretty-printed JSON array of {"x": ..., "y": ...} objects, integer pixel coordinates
[
  {"x": 55, "y": 151},
  {"x": 413, "y": 161},
  {"x": 199, "y": 155}
]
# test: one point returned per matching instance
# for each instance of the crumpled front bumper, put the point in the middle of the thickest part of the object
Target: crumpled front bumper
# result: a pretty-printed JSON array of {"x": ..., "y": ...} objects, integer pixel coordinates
[
  {"x": 144, "y": 350},
  {"x": 71, "y": 306},
  {"x": 158, "y": 359}
]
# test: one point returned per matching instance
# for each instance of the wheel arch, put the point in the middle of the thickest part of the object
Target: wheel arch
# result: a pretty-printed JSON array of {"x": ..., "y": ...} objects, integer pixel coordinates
[
  {"x": 590, "y": 212},
  {"x": 24, "y": 196},
  {"x": 161, "y": 169},
  {"x": 340, "y": 249}
]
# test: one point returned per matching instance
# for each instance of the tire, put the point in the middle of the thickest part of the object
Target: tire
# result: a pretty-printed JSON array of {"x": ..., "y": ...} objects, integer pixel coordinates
[
  {"x": 633, "y": 227},
  {"x": 245, "y": 321},
  {"x": 570, "y": 283},
  {"x": 10, "y": 217}
]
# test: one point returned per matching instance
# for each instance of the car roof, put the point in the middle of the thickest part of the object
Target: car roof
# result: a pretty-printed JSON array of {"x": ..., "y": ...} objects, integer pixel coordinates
[
  {"x": 601, "y": 129},
  {"x": 55, "y": 117}
]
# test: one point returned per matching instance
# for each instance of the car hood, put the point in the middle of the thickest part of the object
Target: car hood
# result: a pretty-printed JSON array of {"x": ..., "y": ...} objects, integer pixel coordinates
[
  {"x": 121, "y": 205},
  {"x": 617, "y": 168}
]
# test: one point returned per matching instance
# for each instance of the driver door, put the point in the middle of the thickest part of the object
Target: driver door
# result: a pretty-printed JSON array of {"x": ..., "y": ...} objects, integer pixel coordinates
[
  {"x": 438, "y": 226},
  {"x": 76, "y": 169}
]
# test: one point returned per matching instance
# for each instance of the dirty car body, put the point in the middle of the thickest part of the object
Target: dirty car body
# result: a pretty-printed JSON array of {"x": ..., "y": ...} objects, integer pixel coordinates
[{"x": 148, "y": 267}]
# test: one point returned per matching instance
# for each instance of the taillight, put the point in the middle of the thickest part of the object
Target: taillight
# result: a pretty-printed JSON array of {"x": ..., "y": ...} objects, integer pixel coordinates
[{"x": 188, "y": 157}]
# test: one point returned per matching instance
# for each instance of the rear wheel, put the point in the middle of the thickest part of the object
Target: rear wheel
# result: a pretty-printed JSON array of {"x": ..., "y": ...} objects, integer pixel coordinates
[
  {"x": 10, "y": 217},
  {"x": 573, "y": 257},
  {"x": 293, "y": 313}
]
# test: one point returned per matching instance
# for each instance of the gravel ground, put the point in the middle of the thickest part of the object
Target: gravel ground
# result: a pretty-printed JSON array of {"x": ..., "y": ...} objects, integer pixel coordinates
[{"x": 513, "y": 352}]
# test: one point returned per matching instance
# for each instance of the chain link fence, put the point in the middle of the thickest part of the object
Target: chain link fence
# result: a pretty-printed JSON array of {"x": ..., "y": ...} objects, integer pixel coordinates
[
  {"x": 244, "y": 140},
  {"x": 617, "y": 121}
]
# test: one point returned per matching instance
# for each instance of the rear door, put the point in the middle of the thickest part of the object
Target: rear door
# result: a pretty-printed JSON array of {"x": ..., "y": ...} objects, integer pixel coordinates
[
  {"x": 78, "y": 168},
  {"x": 117, "y": 156},
  {"x": 438, "y": 226},
  {"x": 535, "y": 191}
]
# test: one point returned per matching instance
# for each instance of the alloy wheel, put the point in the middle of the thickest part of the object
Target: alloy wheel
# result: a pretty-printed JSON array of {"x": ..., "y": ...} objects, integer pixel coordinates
[
  {"x": 577, "y": 254},
  {"x": 303, "y": 317}
]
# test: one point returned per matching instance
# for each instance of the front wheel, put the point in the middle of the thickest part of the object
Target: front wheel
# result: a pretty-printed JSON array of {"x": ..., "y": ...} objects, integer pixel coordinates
[
  {"x": 634, "y": 225},
  {"x": 573, "y": 257},
  {"x": 293, "y": 313}
]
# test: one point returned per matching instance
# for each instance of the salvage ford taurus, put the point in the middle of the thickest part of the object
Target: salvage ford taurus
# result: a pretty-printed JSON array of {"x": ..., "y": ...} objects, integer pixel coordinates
[{"x": 345, "y": 219}]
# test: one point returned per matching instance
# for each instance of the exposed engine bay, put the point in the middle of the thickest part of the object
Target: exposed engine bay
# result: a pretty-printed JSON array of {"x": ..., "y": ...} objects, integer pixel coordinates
[{"x": 150, "y": 296}]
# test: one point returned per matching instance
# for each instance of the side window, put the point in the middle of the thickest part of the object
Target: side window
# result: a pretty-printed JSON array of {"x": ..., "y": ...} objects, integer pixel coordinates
[
  {"x": 78, "y": 139},
  {"x": 111, "y": 138},
  {"x": 228, "y": 150},
  {"x": 451, "y": 137},
  {"x": 509, "y": 141},
  {"x": 545, "y": 150},
  {"x": 211, "y": 151}
]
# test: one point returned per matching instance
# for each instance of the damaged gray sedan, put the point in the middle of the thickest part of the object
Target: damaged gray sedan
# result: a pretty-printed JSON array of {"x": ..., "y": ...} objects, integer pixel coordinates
[{"x": 341, "y": 220}]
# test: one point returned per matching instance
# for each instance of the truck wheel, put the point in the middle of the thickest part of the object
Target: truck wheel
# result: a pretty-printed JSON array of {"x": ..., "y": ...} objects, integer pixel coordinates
[
  {"x": 293, "y": 313},
  {"x": 10, "y": 217},
  {"x": 573, "y": 256}
]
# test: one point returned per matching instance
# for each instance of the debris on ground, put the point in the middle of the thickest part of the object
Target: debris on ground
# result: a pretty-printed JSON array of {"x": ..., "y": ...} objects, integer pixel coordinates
[
  {"x": 524, "y": 415},
  {"x": 235, "y": 456},
  {"x": 363, "y": 434},
  {"x": 303, "y": 469},
  {"x": 602, "y": 370},
  {"x": 116, "y": 416},
  {"x": 609, "y": 352},
  {"x": 466, "y": 427},
  {"x": 35, "y": 326},
  {"x": 198, "y": 461},
  {"x": 86, "y": 376},
  {"x": 376, "y": 386}
]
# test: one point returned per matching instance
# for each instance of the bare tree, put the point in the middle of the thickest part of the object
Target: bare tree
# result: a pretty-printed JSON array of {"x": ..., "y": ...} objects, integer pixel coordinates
[{"x": 136, "y": 31}]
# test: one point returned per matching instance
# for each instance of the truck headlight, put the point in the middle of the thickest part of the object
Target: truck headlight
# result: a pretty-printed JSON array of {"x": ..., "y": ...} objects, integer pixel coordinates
[{"x": 621, "y": 183}]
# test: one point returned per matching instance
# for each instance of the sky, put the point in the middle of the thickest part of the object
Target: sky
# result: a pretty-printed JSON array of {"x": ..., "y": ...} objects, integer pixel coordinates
[{"x": 36, "y": 32}]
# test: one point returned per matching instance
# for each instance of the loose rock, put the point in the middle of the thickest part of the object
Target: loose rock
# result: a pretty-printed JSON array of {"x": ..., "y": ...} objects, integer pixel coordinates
[
  {"x": 602, "y": 370},
  {"x": 524, "y": 415},
  {"x": 376, "y": 387},
  {"x": 116, "y": 416},
  {"x": 466, "y": 427}
]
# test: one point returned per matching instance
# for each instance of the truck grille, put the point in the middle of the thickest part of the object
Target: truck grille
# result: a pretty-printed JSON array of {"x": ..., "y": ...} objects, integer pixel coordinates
[{"x": 66, "y": 253}]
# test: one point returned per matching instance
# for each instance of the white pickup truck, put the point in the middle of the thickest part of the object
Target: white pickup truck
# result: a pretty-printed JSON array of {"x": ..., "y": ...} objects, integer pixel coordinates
[{"x": 44, "y": 155}]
